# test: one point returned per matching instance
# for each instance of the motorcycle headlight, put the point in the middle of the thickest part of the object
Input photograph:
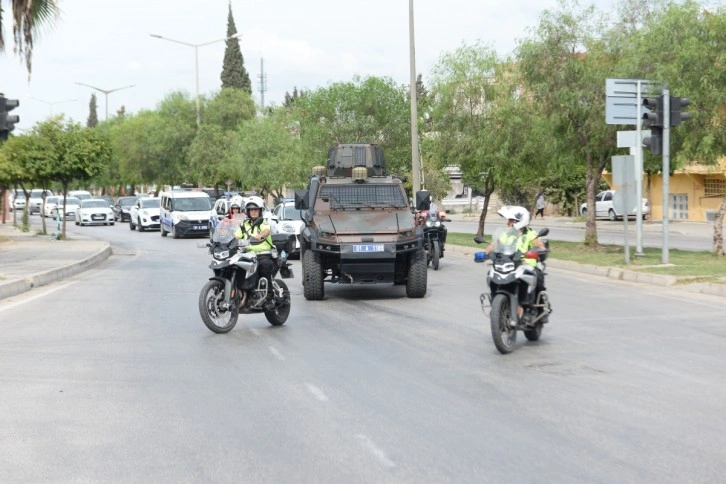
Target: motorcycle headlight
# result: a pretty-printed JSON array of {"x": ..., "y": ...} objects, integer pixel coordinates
[
  {"x": 429, "y": 223},
  {"x": 221, "y": 254},
  {"x": 438, "y": 224},
  {"x": 506, "y": 267}
]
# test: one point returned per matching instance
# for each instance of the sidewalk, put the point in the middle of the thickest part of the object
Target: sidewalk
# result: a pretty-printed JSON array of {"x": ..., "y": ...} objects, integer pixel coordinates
[{"x": 28, "y": 260}]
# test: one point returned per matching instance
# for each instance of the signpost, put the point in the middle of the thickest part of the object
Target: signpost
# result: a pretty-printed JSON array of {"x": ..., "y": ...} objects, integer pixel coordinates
[
  {"x": 624, "y": 105},
  {"x": 624, "y": 197}
]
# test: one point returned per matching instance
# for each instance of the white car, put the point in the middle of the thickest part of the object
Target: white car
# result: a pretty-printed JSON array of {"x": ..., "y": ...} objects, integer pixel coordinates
[
  {"x": 80, "y": 194},
  {"x": 70, "y": 208},
  {"x": 144, "y": 214},
  {"x": 51, "y": 203},
  {"x": 35, "y": 201},
  {"x": 94, "y": 211},
  {"x": 604, "y": 206},
  {"x": 17, "y": 201},
  {"x": 289, "y": 221}
]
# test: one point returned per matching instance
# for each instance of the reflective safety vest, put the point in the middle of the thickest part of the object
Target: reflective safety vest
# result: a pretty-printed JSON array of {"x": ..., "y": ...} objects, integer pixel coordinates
[
  {"x": 247, "y": 229},
  {"x": 526, "y": 242}
]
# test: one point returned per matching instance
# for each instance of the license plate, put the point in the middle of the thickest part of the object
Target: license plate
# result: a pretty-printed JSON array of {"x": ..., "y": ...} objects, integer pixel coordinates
[
  {"x": 97, "y": 217},
  {"x": 368, "y": 248},
  {"x": 199, "y": 227}
]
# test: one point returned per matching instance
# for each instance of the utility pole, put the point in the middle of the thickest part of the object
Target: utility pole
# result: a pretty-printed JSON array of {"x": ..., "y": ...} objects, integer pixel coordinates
[
  {"x": 415, "y": 165},
  {"x": 263, "y": 82}
]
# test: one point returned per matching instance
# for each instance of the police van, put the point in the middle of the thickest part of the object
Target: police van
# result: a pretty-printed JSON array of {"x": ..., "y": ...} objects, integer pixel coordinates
[{"x": 184, "y": 213}]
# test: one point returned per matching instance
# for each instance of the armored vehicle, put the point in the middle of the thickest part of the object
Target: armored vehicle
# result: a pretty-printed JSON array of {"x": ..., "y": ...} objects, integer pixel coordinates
[{"x": 359, "y": 227}]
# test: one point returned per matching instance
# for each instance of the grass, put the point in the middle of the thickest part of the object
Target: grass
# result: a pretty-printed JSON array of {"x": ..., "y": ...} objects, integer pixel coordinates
[{"x": 699, "y": 265}]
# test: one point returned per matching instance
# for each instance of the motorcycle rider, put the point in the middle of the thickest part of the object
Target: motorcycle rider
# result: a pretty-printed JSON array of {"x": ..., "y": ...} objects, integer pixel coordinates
[
  {"x": 526, "y": 238},
  {"x": 257, "y": 231}
]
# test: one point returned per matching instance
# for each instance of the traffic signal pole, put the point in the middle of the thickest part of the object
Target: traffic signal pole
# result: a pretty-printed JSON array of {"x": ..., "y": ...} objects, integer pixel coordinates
[
  {"x": 666, "y": 167},
  {"x": 639, "y": 178}
]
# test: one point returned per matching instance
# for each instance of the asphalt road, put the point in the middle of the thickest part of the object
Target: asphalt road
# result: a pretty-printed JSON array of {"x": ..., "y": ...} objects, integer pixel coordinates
[{"x": 111, "y": 376}]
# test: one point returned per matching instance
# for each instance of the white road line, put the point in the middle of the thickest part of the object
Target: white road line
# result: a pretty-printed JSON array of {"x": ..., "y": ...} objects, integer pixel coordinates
[
  {"x": 277, "y": 354},
  {"x": 40, "y": 293},
  {"x": 375, "y": 450},
  {"x": 317, "y": 392}
]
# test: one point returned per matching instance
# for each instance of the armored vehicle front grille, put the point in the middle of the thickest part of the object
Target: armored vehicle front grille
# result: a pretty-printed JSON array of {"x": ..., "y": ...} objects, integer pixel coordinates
[{"x": 356, "y": 196}]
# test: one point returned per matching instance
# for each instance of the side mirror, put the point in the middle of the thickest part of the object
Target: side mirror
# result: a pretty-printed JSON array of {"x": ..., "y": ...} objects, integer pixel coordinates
[
  {"x": 543, "y": 232},
  {"x": 301, "y": 199},
  {"x": 479, "y": 240}
]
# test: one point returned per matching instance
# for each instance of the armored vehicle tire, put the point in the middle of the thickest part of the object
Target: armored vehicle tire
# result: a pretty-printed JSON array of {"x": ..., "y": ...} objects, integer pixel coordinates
[
  {"x": 313, "y": 276},
  {"x": 417, "y": 273}
]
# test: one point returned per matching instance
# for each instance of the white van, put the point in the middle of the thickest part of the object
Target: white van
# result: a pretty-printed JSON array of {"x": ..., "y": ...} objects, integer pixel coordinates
[{"x": 185, "y": 213}]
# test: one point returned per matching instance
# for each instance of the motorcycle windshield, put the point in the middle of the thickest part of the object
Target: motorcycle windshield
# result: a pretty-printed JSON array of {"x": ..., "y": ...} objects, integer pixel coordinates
[
  {"x": 224, "y": 232},
  {"x": 505, "y": 240}
]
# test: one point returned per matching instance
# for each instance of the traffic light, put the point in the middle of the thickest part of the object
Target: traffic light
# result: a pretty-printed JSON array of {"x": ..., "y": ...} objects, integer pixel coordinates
[
  {"x": 7, "y": 122},
  {"x": 678, "y": 103},
  {"x": 654, "y": 120}
]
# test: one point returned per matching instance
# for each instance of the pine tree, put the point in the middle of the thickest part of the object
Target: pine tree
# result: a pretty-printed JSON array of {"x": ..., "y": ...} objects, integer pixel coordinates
[
  {"x": 121, "y": 112},
  {"x": 92, "y": 115},
  {"x": 234, "y": 73},
  {"x": 291, "y": 98}
]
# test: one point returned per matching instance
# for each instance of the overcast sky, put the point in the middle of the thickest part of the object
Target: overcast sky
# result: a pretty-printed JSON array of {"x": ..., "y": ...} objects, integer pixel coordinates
[{"x": 308, "y": 44}]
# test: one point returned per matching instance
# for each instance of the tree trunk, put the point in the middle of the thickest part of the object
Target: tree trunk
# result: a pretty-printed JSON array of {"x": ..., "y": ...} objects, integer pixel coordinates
[
  {"x": 63, "y": 216},
  {"x": 718, "y": 229},
  {"x": 488, "y": 190},
  {"x": 591, "y": 181}
]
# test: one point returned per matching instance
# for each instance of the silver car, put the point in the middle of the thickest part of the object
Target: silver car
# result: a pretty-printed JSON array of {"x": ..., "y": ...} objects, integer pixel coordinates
[{"x": 94, "y": 211}]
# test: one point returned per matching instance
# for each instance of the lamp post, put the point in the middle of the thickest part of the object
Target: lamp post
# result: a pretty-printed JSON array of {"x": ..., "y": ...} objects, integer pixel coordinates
[
  {"x": 52, "y": 103},
  {"x": 196, "y": 59},
  {"x": 105, "y": 91},
  {"x": 415, "y": 160}
]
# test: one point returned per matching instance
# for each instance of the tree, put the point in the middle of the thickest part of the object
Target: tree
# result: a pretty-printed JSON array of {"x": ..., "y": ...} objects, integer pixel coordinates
[
  {"x": 366, "y": 110},
  {"x": 291, "y": 98},
  {"x": 234, "y": 73},
  {"x": 564, "y": 64},
  {"x": 694, "y": 70},
  {"x": 229, "y": 108},
  {"x": 28, "y": 17},
  {"x": 18, "y": 152},
  {"x": 92, "y": 114}
]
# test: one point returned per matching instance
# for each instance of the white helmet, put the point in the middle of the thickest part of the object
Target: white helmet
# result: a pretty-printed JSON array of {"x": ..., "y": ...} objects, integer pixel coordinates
[
  {"x": 254, "y": 202},
  {"x": 520, "y": 215}
]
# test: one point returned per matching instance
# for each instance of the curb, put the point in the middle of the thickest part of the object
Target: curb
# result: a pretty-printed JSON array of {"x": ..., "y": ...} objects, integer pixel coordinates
[
  {"x": 19, "y": 286},
  {"x": 621, "y": 274}
]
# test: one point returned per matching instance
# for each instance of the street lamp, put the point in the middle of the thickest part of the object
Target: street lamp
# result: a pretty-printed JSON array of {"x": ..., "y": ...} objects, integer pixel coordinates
[
  {"x": 52, "y": 103},
  {"x": 105, "y": 91},
  {"x": 196, "y": 59}
]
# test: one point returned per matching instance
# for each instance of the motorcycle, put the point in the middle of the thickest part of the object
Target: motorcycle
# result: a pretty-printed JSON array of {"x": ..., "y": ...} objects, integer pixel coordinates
[
  {"x": 512, "y": 283},
  {"x": 236, "y": 286},
  {"x": 434, "y": 236}
]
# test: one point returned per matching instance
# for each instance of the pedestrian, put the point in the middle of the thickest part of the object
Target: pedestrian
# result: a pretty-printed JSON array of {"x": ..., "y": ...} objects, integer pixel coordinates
[{"x": 540, "y": 205}]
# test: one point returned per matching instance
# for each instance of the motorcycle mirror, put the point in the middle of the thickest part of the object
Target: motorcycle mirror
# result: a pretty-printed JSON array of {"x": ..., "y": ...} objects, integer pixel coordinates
[
  {"x": 479, "y": 240},
  {"x": 543, "y": 232}
]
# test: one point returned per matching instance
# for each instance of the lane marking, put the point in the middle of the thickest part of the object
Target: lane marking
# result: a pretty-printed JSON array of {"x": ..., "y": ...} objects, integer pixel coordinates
[
  {"x": 277, "y": 354},
  {"x": 375, "y": 450},
  {"x": 317, "y": 392},
  {"x": 43, "y": 293}
]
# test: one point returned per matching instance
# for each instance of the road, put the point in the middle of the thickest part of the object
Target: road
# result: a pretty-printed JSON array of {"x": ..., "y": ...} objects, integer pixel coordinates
[
  {"x": 680, "y": 236},
  {"x": 111, "y": 376}
]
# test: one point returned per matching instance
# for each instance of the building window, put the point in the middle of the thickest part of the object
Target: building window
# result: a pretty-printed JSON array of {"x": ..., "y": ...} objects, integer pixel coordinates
[
  {"x": 714, "y": 187},
  {"x": 679, "y": 206}
]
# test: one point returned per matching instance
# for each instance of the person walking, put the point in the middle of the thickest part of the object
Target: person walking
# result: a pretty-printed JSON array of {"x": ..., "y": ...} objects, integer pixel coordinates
[{"x": 540, "y": 203}]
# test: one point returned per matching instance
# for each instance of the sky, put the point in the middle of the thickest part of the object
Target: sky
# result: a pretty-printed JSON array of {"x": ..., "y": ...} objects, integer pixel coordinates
[{"x": 310, "y": 44}]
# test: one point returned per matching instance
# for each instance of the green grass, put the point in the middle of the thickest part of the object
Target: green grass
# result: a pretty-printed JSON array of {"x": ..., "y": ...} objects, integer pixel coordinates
[{"x": 702, "y": 266}]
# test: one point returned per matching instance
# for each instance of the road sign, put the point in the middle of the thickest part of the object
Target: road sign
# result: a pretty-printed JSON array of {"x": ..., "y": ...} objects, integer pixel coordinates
[
  {"x": 622, "y": 100},
  {"x": 623, "y": 170},
  {"x": 629, "y": 139},
  {"x": 624, "y": 199}
]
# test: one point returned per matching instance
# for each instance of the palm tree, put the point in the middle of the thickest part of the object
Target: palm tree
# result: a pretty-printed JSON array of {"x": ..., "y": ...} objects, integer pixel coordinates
[{"x": 28, "y": 15}]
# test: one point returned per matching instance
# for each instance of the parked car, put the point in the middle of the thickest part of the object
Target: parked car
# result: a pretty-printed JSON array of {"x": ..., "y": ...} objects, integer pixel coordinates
[
  {"x": 35, "y": 201},
  {"x": 51, "y": 203},
  {"x": 69, "y": 209},
  {"x": 17, "y": 200},
  {"x": 289, "y": 221},
  {"x": 604, "y": 207},
  {"x": 94, "y": 211},
  {"x": 122, "y": 208},
  {"x": 80, "y": 194},
  {"x": 144, "y": 214}
]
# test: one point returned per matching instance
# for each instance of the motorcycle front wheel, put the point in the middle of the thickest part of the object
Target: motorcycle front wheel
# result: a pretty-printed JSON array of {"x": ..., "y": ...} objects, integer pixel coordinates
[
  {"x": 217, "y": 318},
  {"x": 503, "y": 333},
  {"x": 278, "y": 316},
  {"x": 435, "y": 254}
]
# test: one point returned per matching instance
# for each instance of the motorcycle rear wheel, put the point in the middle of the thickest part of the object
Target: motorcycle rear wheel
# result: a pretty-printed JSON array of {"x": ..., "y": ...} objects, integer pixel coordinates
[
  {"x": 534, "y": 333},
  {"x": 503, "y": 334},
  {"x": 278, "y": 316},
  {"x": 216, "y": 318}
]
